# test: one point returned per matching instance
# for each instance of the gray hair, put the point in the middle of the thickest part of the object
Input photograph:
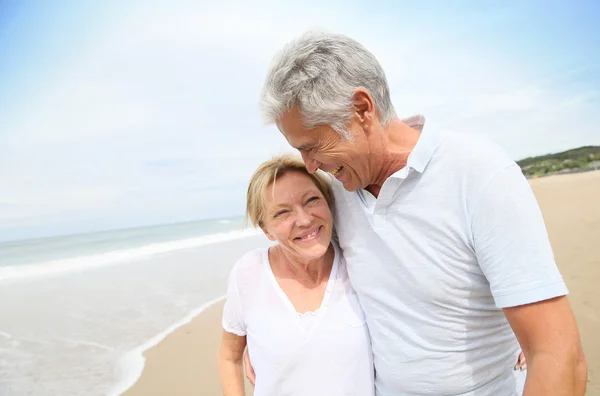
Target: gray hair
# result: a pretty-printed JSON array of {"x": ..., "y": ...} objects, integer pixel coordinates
[{"x": 319, "y": 72}]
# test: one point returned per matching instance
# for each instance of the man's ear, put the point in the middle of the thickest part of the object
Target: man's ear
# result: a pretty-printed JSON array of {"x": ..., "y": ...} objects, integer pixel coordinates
[{"x": 364, "y": 107}]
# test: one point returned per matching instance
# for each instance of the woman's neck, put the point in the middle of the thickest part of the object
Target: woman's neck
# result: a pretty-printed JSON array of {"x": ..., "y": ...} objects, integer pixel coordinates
[{"x": 308, "y": 272}]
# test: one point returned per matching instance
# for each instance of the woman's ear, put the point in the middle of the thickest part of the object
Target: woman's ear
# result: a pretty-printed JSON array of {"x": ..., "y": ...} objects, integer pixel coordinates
[{"x": 268, "y": 235}]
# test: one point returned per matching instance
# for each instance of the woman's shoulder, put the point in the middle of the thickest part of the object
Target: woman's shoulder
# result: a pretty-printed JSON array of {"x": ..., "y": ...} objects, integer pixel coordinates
[{"x": 250, "y": 264}]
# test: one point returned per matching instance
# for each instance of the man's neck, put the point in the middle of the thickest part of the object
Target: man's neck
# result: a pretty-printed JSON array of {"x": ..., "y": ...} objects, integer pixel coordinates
[{"x": 397, "y": 142}]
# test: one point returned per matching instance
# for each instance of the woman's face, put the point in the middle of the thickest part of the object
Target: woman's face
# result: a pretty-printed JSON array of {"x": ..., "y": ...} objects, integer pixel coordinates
[{"x": 298, "y": 217}]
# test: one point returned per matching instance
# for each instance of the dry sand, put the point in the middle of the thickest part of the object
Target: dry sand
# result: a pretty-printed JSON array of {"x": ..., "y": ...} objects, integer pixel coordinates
[
  {"x": 571, "y": 208},
  {"x": 185, "y": 362}
]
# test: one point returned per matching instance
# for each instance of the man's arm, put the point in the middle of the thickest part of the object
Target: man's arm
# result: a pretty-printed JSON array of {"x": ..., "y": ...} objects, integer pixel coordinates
[
  {"x": 548, "y": 334},
  {"x": 230, "y": 364},
  {"x": 514, "y": 253}
]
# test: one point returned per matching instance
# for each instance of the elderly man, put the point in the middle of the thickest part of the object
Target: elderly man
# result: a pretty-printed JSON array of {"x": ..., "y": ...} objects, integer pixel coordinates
[{"x": 444, "y": 241}]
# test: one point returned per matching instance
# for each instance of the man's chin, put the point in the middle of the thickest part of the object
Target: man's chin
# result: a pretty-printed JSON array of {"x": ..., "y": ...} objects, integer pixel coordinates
[{"x": 350, "y": 187}]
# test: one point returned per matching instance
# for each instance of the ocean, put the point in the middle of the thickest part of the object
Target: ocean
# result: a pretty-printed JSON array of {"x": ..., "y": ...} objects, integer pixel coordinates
[{"x": 78, "y": 311}]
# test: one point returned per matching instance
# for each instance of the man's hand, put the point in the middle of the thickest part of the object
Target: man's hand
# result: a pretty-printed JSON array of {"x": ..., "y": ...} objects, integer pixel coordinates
[
  {"x": 249, "y": 370},
  {"x": 548, "y": 334},
  {"x": 521, "y": 362}
]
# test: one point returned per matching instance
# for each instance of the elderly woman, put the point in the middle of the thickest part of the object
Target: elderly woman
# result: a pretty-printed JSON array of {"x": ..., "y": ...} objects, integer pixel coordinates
[{"x": 292, "y": 304}]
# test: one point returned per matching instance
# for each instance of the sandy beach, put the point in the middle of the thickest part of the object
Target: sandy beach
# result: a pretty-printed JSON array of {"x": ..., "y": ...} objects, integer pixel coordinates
[{"x": 184, "y": 363}]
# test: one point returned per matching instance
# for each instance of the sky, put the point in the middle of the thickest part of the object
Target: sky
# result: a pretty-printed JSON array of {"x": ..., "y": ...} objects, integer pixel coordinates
[{"x": 119, "y": 114}]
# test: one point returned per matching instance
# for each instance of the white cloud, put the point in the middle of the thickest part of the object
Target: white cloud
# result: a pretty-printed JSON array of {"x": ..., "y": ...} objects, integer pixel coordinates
[{"x": 155, "y": 118}]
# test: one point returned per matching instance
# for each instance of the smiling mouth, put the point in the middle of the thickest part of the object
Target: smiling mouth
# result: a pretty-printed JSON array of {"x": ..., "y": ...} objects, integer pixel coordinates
[
  {"x": 311, "y": 236},
  {"x": 337, "y": 170}
]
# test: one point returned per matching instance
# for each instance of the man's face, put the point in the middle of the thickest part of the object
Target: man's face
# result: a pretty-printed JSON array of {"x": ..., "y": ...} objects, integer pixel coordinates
[{"x": 323, "y": 148}]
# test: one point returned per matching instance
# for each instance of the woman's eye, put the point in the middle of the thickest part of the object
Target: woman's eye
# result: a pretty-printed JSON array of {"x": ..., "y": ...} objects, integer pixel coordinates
[
  {"x": 280, "y": 213},
  {"x": 312, "y": 200}
]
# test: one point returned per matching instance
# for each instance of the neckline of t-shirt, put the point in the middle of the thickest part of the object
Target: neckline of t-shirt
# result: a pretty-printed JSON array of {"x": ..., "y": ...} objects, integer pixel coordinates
[{"x": 288, "y": 303}]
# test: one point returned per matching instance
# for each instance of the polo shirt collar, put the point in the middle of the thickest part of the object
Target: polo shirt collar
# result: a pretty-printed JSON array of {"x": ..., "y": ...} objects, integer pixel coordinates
[{"x": 426, "y": 144}]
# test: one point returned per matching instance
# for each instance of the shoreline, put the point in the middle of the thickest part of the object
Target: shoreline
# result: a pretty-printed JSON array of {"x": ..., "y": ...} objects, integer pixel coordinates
[
  {"x": 101, "y": 259},
  {"x": 185, "y": 361},
  {"x": 130, "y": 367}
]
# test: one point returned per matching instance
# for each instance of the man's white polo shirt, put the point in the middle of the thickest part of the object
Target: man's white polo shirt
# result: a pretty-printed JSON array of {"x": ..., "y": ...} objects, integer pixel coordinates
[{"x": 453, "y": 238}]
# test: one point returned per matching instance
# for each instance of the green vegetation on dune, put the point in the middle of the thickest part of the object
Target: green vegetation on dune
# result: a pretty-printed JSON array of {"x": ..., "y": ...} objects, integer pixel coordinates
[{"x": 579, "y": 159}]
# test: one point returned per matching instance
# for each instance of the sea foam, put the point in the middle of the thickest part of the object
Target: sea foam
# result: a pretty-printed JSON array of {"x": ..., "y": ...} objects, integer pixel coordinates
[{"x": 61, "y": 266}]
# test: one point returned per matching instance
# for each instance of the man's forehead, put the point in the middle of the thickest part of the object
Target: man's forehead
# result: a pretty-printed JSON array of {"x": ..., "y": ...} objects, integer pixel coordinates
[
  {"x": 293, "y": 130},
  {"x": 299, "y": 139},
  {"x": 290, "y": 120}
]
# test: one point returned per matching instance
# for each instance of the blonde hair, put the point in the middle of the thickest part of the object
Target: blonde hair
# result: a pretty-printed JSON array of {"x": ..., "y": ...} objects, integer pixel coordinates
[{"x": 267, "y": 173}]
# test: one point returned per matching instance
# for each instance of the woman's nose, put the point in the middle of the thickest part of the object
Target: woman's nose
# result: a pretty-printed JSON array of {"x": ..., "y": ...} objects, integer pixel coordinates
[{"x": 303, "y": 218}]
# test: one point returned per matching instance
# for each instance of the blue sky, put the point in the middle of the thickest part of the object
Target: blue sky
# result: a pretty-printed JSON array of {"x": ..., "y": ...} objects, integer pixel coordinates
[{"x": 117, "y": 115}]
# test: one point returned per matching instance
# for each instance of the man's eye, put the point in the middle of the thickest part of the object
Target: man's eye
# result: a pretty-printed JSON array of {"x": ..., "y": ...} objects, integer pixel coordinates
[{"x": 308, "y": 149}]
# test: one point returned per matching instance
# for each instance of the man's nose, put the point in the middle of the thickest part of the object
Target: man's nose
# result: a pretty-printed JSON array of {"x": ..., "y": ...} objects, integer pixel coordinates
[{"x": 311, "y": 164}]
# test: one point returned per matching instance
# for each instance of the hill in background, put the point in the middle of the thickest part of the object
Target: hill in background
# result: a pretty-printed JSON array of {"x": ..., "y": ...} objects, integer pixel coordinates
[{"x": 576, "y": 160}]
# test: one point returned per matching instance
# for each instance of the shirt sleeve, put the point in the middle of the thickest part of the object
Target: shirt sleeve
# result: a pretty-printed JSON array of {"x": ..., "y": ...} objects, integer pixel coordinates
[
  {"x": 511, "y": 243},
  {"x": 233, "y": 318}
]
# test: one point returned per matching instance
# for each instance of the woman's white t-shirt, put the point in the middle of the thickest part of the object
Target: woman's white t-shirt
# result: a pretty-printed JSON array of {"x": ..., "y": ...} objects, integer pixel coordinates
[{"x": 325, "y": 352}]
